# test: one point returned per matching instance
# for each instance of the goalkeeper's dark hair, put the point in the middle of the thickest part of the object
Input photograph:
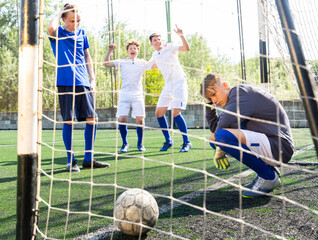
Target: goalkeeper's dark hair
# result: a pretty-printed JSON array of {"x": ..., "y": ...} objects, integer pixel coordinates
[
  {"x": 154, "y": 35},
  {"x": 210, "y": 80},
  {"x": 69, "y": 8}
]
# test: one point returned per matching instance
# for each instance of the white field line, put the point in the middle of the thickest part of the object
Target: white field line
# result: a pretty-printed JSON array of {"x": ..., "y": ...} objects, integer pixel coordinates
[
  {"x": 8, "y": 145},
  {"x": 81, "y": 140},
  {"x": 300, "y": 151}
]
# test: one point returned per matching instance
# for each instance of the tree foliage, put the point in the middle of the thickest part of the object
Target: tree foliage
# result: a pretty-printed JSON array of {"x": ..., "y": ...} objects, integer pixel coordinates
[
  {"x": 196, "y": 63},
  {"x": 8, "y": 56}
]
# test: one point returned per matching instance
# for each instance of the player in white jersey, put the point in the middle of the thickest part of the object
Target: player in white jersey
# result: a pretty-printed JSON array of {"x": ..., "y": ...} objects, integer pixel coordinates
[
  {"x": 131, "y": 94},
  {"x": 174, "y": 94}
]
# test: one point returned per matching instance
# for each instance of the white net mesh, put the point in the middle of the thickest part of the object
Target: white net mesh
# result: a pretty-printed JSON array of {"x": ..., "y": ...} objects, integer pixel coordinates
[{"x": 196, "y": 200}]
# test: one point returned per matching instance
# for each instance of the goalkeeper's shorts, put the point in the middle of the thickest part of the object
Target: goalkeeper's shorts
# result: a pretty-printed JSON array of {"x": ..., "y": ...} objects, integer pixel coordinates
[{"x": 259, "y": 144}]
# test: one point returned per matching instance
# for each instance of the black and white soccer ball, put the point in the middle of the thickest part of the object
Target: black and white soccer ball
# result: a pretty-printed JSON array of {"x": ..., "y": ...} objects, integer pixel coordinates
[{"x": 136, "y": 206}]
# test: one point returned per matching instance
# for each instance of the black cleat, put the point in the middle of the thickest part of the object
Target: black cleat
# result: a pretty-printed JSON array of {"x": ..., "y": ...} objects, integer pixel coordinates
[
  {"x": 95, "y": 164},
  {"x": 166, "y": 146}
]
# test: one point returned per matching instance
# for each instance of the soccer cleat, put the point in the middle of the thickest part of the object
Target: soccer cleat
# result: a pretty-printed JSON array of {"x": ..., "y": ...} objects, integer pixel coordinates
[
  {"x": 186, "y": 147},
  {"x": 124, "y": 148},
  {"x": 166, "y": 146},
  {"x": 262, "y": 185},
  {"x": 95, "y": 164},
  {"x": 140, "y": 147},
  {"x": 251, "y": 184},
  {"x": 74, "y": 167},
  {"x": 275, "y": 169}
]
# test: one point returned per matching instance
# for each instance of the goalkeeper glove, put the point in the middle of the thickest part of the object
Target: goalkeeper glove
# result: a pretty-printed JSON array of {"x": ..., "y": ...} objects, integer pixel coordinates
[{"x": 220, "y": 160}]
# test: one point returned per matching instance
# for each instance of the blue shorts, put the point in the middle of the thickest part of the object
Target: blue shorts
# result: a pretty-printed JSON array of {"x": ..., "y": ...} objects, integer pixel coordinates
[{"x": 84, "y": 103}]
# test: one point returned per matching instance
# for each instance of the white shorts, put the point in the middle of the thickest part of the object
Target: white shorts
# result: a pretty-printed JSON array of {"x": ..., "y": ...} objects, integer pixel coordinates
[
  {"x": 137, "y": 104},
  {"x": 259, "y": 144},
  {"x": 176, "y": 98}
]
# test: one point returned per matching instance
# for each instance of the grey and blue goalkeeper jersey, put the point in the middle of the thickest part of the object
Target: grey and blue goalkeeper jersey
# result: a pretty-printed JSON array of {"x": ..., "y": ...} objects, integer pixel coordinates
[{"x": 256, "y": 103}]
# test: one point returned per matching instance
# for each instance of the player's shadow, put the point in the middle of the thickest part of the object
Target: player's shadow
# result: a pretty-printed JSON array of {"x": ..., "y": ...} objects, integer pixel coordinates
[
  {"x": 219, "y": 201},
  {"x": 137, "y": 153},
  {"x": 60, "y": 163},
  {"x": 118, "y": 235}
]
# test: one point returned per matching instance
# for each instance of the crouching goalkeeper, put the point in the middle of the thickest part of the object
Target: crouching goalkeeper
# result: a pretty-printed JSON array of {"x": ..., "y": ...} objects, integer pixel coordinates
[{"x": 253, "y": 128}]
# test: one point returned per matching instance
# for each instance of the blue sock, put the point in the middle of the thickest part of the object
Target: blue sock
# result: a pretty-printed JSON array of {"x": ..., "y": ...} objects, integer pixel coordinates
[
  {"x": 250, "y": 160},
  {"x": 89, "y": 135},
  {"x": 164, "y": 124},
  {"x": 182, "y": 127},
  {"x": 67, "y": 138},
  {"x": 212, "y": 145},
  {"x": 139, "y": 134},
  {"x": 123, "y": 129}
]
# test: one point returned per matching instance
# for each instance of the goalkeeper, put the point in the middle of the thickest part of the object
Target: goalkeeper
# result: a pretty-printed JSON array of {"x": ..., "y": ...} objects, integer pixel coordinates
[{"x": 263, "y": 144}]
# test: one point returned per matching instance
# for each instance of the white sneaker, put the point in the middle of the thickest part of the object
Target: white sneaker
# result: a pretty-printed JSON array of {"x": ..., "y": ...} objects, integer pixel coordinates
[
  {"x": 124, "y": 148},
  {"x": 251, "y": 184},
  {"x": 262, "y": 185},
  {"x": 74, "y": 167}
]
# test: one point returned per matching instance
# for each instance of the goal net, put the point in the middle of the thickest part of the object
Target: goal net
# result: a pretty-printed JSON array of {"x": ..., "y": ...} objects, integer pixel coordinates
[{"x": 195, "y": 199}]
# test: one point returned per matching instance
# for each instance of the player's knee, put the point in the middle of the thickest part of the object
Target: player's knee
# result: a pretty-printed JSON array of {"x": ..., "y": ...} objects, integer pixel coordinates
[
  {"x": 123, "y": 119},
  {"x": 223, "y": 136},
  {"x": 92, "y": 121},
  {"x": 140, "y": 121},
  {"x": 159, "y": 115},
  {"x": 226, "y": 137},
  {"x": 176, "y": 112},
  {"x": 69, "y": 122}
]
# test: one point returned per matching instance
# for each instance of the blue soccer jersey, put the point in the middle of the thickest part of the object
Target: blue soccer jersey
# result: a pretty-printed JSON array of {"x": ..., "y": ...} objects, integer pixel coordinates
[{"x": 70, "y": 70}]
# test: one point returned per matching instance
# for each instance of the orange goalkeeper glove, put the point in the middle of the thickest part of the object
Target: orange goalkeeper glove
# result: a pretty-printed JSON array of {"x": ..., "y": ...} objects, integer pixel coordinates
[{"x": 220, "y": 160}]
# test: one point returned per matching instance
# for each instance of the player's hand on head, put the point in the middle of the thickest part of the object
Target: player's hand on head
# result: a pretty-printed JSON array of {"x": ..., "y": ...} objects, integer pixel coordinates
[
  {"x": 220, "y": 160},
  {"x": 207, "y": 100},
  {"x": 59, "y": 14}
]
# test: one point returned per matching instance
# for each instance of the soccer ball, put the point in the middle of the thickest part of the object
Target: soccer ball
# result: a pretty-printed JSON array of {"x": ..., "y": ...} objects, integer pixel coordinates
[{"x": 138, "y": 206}]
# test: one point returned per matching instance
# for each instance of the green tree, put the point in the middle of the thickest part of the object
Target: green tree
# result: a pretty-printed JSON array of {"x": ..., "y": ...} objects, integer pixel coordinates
[
  {"x": 9, "y": 80},
  {"x": 8, "y": 56},
  {"x": 9, "y": 26},
  {"x": 154, "y": 83},
  {"x": 314, "y": 69}
]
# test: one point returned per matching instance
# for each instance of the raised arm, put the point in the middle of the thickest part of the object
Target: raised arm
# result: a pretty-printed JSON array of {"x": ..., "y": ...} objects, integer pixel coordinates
[
  {"x": 107, "y": 62},
  {"x": 89, "y": 63},
  {"x": 53, "y": 25},
  {"x": 185, "y": 45}
]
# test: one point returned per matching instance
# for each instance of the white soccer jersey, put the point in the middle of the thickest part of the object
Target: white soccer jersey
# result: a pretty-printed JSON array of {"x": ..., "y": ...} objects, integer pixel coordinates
[
  {"x": 169, "y": 65},
  {"x": 175, "y": 92},
  {"x": 131, "y": 75}
]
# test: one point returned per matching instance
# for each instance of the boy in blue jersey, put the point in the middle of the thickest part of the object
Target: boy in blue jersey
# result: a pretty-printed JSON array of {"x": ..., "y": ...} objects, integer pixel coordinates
[
  {"x": 262, "y": 130},
  {"x": 73, "y": 83}
]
